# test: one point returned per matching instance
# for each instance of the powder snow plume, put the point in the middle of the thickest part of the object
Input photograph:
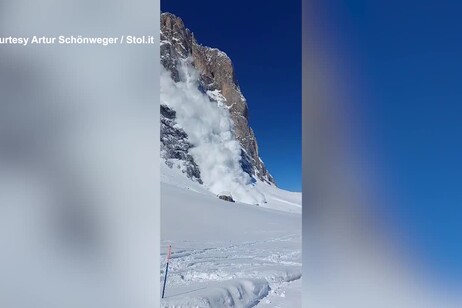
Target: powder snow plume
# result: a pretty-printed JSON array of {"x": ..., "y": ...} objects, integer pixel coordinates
[{"x": 210, "y": 131}]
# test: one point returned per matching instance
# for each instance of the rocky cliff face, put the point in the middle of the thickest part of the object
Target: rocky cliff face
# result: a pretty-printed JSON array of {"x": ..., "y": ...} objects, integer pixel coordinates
[
  {"x": 175, "y": 145},
  {"x": 217, "y": 79}
]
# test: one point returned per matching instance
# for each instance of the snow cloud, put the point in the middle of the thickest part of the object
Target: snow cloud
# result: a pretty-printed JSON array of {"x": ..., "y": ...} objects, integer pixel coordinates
[{"x": 210, "y": 131}]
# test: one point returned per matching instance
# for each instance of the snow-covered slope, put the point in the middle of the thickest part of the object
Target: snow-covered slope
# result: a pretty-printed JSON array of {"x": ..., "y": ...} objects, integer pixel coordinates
[{"x": 229, "y": 254}]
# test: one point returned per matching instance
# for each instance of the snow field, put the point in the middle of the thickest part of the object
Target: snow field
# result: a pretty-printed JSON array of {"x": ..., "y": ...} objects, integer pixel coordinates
[{"x": 229, "y": 254}]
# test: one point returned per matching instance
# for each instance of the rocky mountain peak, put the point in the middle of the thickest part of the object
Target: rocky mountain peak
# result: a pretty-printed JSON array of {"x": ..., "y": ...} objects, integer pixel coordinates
[{"x": 217, "y": 79}]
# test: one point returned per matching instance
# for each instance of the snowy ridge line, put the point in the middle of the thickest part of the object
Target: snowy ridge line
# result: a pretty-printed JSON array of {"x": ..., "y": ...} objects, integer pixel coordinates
[
  {"x": 236, "y": 293},
  {"x": 239, "y": 293}
]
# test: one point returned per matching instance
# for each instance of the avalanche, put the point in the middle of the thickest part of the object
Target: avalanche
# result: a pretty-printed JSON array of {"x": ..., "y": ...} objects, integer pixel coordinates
[{"x": 210, "y": 131}]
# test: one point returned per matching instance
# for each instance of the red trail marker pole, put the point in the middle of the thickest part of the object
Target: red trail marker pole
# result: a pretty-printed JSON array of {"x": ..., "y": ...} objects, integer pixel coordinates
[{"x": 166, "y": 269}]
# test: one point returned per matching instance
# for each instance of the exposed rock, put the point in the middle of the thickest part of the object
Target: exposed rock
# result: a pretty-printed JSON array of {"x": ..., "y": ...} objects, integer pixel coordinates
[
  {"x": 228, "y": 198},
  {"x": 175, "y": 146},
  {"x": 217, "y": 77}
]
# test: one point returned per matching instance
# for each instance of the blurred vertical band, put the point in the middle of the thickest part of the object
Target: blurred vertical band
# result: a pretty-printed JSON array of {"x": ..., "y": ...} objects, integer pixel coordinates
[
  {"x": 350, "y": 258},
  {"x": 79, "y": 156}
]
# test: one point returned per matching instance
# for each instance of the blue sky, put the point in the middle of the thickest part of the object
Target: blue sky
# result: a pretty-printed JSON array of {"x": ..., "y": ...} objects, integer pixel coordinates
[
  {"x": 264, "y": 43},
  {"x": 406, "y": 58}
]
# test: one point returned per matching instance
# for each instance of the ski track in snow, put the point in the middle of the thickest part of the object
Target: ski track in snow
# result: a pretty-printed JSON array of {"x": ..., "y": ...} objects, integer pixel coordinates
[
  {"x": 229, "y": 254},
  {"x": 266, "y": 267}
]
